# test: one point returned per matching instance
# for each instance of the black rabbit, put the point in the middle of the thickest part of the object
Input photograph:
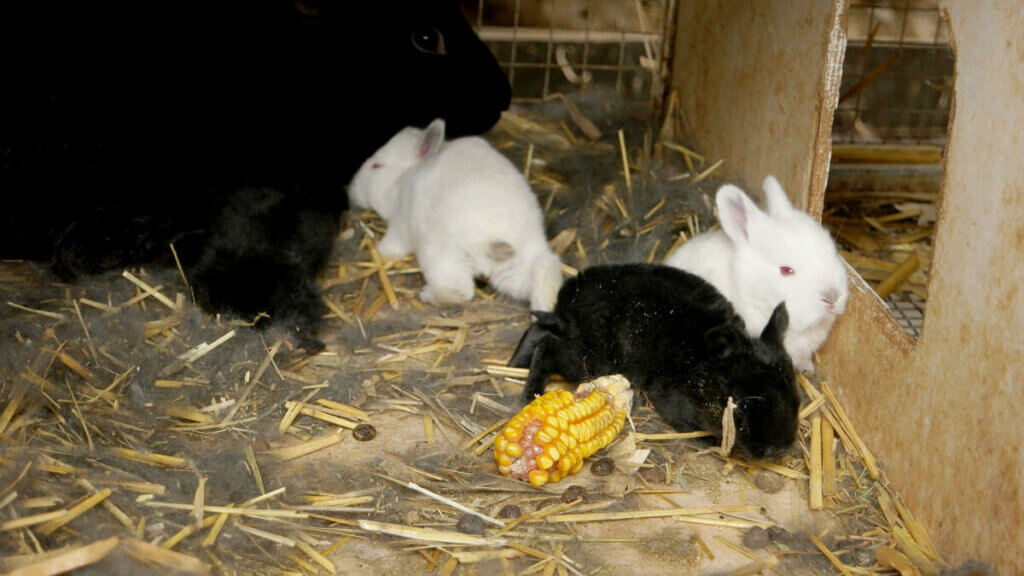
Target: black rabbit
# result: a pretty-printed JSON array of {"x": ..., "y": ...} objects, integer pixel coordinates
[
  {"x": 125, "y": 126},
  {"x": 676, "y": 338}
]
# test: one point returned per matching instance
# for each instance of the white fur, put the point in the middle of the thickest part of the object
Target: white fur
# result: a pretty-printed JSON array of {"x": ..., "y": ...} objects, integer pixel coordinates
[
  {"x": 465, "y": 210},
  {"x": 743, "y": 260}
]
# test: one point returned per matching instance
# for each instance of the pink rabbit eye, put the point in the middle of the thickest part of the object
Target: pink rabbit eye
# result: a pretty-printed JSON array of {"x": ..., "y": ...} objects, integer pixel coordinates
[
  {"x": 376, "y": 165},
  {"x": 785, "y": 270}
]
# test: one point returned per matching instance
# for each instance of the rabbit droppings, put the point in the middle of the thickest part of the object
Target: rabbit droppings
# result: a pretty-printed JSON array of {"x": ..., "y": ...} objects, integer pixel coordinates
[
  {"x": 678, "y": 340},
  {"x": 758, "y": 259},
  {"x": 465, "y": 210}
]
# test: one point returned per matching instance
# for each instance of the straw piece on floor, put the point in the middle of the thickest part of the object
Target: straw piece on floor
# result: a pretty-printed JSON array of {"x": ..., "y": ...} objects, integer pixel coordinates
[
  {"x": 65, "y": 561},
  {"x": 306, "y": 448}
]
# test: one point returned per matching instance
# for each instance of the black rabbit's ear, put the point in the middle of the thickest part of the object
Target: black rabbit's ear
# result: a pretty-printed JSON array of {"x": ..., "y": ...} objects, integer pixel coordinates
[
  {"x": 775, "y": 331},
  {"x": 432, "y": 139},
  {"x": 722, "y": 341},
  {"x": 548, "y": 319}
]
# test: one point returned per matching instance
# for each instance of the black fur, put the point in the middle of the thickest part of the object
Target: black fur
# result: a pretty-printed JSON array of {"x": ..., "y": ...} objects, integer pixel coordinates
[
  {"x": 263, "y": 233},
  {"x": 125, "y": 126},
  {"x": 677, "y": 339}
]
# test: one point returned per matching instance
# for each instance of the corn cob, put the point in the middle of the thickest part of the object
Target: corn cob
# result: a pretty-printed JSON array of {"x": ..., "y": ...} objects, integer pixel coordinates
[{"x": 552, "y": 435}]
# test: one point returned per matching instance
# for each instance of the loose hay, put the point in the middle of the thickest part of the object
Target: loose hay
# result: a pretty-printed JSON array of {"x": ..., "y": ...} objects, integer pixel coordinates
[
  {"x": 884, "y": 220},
  {"x": 137, "y": 431}
]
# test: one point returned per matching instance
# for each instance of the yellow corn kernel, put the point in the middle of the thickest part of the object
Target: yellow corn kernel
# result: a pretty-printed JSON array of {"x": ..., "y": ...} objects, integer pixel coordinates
[
  {"x": 564, "y": 464},
  {"x": 560, "y": 445},
  {"x": 552, "y": 436},
  {"x": 538, "y": 478},
  {"x": 513, "y": 434},
  {"x": 562, "y": 420},
  {"x": 547, "y": 434},
  {"x": 535, "y": 408},
  {"x": 552, "y": 420},
  {"x": 543, "y": 462}
]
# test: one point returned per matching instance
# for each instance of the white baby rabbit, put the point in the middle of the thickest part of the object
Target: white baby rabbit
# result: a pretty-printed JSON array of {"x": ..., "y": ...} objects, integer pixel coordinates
[
  {"x": 757, "y": 259},
  {"x": 465, "y": 210}
]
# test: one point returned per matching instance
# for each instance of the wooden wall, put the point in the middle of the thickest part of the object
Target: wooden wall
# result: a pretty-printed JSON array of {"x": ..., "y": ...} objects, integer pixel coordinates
[
  {"x": 944, "y": 413},
  {"x": 758, "y": 84}
]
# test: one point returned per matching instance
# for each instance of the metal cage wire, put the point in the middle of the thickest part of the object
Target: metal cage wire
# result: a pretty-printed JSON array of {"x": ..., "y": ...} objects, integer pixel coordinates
[
  {"x": 552, "y": 46},
  {"x": 897, "y": 89},
  {"x": 897, "y": 76}
]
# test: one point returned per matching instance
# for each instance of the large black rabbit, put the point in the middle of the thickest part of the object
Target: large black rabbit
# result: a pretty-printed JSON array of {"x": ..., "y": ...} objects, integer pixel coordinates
[
  {"x": 676, "y": 339},
  {"x": 125, "y": 126}
]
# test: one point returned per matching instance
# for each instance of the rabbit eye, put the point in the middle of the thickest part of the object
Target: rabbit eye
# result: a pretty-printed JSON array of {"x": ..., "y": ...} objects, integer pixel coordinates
[
  {"x": 785, "y": 271},
  {"x": 743, "y": 406},
  {"x": 375, "y": 165},
  {"x": 429, "y": 40}
]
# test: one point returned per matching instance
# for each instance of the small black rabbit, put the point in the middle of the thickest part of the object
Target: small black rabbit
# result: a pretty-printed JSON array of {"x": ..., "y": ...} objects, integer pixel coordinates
[
  {"x": 678, "y": 340},
  {"x": 131, "y": 125}
]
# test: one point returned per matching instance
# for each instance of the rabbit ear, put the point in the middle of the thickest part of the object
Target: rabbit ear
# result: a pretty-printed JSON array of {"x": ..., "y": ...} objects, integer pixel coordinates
[
  {"x": 723, "y": 340},
  {"x": 775, "y": 197},
  {"x": 433, "y": 137},
  {"x": 736, "y": 212},
  {"x": 545, "y": 319},
  {"x": 775, "y": 331}
]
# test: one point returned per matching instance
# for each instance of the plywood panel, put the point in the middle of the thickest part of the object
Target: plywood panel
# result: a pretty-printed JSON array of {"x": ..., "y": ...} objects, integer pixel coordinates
[
  {"x": 943, "y": 413},
  {"x": 758, "y": 83}
]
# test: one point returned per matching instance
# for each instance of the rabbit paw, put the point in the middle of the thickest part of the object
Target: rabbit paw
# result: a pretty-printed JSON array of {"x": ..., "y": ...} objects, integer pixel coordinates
[
  {"x": 434, "y": 294},
  {"x": 391, "y": 247}
]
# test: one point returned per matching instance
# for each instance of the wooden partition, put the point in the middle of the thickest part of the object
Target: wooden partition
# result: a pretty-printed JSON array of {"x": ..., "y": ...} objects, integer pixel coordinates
[
  {"x": 944, "y": 412},
  {"x": 758, "y": 84}
]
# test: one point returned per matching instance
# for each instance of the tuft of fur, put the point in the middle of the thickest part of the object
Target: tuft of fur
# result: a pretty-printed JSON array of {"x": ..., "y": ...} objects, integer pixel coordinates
[
  {"x": 500, "y": 251},
  {"x": 465, "y": 210},
  {"x": 759, "y": 258},
  {"x": 677, "y": 339}
]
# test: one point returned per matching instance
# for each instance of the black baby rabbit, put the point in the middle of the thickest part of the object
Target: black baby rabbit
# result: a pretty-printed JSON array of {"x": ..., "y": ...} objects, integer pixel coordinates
[{"x": 678, "y": 340}]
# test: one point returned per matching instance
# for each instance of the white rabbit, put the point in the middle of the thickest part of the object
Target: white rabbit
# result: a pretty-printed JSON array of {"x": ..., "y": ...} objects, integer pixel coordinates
[
  {"x": 465, "y": 210},
  {"x": 757, "y": 259}
]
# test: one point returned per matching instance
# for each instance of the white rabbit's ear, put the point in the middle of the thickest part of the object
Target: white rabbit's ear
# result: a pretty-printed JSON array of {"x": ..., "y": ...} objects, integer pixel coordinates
[
  {"x": 433, "y": 137},
  {"x": 775, "y": 197},
  {"x": 736, "y": 212}
]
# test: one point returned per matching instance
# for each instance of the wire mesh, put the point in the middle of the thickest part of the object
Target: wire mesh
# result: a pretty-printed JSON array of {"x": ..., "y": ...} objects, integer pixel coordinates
[
  {"x": 898, "y": 74},
  {"x": 908, "y": 310},
  {"x": 897, "y": 89},
  {"x": 563, "y": 46}
]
